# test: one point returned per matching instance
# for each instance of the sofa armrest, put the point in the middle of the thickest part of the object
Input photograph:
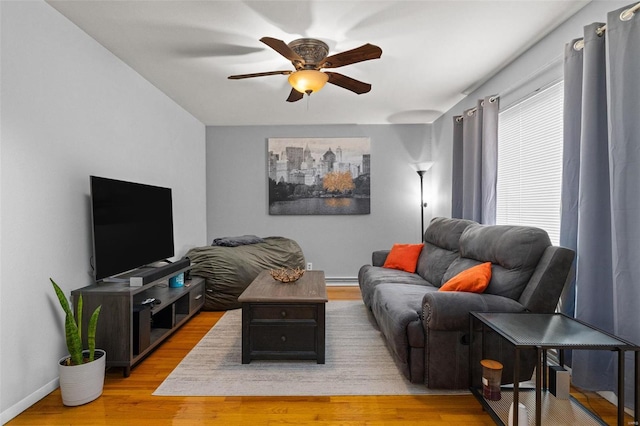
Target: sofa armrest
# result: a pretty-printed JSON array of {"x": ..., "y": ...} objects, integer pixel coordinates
[
  {"x": 554, "y": 271},
  {"x": 449, "y": 310},
  {"x": 378, "y": 257}
]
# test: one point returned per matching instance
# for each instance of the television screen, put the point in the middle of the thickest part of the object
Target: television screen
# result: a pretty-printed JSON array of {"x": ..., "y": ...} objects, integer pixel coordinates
[{"x": 132, "y": 225}]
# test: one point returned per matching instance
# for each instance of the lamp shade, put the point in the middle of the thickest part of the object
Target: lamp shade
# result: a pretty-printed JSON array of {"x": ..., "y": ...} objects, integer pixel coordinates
[
  {"x": 308, "y": 81},
  {"x": 422, "y": 166}
]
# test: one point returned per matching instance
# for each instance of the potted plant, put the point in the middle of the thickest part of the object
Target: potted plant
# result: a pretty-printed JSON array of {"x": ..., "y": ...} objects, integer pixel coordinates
[{"x": 82, "y": 371}]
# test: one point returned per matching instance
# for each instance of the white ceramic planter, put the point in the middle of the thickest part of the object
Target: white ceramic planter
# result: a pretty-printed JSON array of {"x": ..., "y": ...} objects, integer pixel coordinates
[{"x": 81, "y": 384}]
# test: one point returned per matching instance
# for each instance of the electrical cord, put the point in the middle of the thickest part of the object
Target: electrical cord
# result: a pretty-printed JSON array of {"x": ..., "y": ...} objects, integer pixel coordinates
[{"x": 586, "y": 396}]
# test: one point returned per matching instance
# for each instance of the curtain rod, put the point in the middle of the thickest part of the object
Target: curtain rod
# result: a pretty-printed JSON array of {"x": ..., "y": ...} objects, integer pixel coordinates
[
  {"x": 538, "y": 71},
  {"x": 624, "y": 16},
  {"x": 472, "y": 111},
  {"x": 578, "y": 45}
]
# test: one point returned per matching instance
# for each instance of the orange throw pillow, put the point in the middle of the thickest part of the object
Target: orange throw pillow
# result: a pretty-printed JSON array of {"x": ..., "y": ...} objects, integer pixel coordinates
[
  {"x": 473, "y": 280},
  {"x": 403, "y": 257}
]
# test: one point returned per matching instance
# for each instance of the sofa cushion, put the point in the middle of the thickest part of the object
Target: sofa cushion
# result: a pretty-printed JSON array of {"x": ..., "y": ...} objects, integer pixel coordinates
[
  {"x": 472, "y": 280},
  {"x": 441, "y": 247},
  {"x": 398, "y": 311},
  {"x": 403, "y": 257},
  {"x": 514, "y": 251},
  {"x": 370, "y": 277}
]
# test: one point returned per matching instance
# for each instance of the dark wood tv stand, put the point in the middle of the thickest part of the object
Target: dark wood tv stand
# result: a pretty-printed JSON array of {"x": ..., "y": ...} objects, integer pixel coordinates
[{"x": 128, "y": 331}]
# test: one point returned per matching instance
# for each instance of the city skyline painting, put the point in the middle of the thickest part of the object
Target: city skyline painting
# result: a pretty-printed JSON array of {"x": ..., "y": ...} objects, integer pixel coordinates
[{"x": 319, "y": 176}]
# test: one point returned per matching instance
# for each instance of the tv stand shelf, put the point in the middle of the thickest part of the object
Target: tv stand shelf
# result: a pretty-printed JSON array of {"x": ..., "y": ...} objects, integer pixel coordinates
[{"x": 127, "y": 330}]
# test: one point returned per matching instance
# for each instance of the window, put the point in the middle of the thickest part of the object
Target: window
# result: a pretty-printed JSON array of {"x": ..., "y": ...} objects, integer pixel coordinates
[{"x": 530, "y": 162}]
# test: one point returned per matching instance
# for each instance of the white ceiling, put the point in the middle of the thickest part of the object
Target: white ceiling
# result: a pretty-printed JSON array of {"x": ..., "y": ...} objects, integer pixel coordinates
[{"x": 434, "y": 52}]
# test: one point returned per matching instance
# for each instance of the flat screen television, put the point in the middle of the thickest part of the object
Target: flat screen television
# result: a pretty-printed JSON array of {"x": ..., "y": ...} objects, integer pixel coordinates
[{"x": 132, "y": 225}]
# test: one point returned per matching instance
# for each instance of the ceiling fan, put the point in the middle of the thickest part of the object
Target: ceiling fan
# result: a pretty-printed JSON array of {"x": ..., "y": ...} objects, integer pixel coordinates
[{"x": 309, "y": 56}]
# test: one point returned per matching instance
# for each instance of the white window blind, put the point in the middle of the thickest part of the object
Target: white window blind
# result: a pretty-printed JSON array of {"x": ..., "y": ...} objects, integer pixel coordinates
[{"x": 530, "y": 162}]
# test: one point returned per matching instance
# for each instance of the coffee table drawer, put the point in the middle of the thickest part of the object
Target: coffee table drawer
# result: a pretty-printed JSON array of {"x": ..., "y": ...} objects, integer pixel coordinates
[
  {"x": 284, "y": 312},
  {"x": 283, "y": 338}
]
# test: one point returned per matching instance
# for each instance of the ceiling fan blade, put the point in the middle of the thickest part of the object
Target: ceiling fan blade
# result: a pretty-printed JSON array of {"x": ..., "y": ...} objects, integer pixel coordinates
[
  {"x": 294, "y": 96},
  {"x": 282, "y": 48},
  {"x": 359, "y": 54},
  {"x": 348, "y": 83},
  {"x": 258, "y": 74}
]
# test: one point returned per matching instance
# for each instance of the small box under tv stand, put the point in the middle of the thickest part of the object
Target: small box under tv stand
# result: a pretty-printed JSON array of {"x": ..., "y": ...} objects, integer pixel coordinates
[{"x": 129, "y": 331}]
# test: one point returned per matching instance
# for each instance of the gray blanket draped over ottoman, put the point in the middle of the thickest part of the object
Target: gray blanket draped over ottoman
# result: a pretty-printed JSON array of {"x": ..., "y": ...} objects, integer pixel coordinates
[{"x": 229, "y": 270}]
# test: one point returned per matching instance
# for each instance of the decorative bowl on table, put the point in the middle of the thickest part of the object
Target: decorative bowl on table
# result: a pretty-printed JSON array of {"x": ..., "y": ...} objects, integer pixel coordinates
[{"x": 287, "y": 275}]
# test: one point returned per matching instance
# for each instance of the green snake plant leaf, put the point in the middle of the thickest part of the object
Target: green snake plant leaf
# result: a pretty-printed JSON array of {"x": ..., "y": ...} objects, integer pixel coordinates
[
  {"x": 74, "y": 344},
  {"x": 91, "y": 332},
  {"x": 61, "y": 298},
  {"x": 79, "y": 317},
  {"x": 72, "y": 327}
]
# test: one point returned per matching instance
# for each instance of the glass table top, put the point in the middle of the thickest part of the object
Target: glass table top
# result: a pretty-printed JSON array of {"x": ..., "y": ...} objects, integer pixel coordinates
[{"x": 552, "y": 330}]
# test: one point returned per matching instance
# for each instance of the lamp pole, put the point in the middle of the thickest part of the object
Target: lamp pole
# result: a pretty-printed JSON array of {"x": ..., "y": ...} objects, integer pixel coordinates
[
  {"x": 422, "y": 206},
  {"x": 422, "y": 168}
]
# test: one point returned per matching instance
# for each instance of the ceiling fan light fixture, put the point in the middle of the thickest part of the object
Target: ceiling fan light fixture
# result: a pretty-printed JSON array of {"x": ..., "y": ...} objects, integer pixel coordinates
[{"x": 308, "y": 81}]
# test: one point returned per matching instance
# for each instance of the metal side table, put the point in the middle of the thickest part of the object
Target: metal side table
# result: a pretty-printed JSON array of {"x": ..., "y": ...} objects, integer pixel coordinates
[{"x": 543, "y": 332}]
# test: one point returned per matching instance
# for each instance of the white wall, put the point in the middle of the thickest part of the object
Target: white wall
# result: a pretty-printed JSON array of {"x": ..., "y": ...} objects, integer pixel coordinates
[
  {"x": 537, "y": 67},
  {"x": 237, "y": 193},
  {"x": 71, "y": 109}
]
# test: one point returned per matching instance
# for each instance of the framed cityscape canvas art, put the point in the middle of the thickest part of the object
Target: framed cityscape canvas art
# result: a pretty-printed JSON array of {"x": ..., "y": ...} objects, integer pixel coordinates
[{"x": 319, "y": 176}]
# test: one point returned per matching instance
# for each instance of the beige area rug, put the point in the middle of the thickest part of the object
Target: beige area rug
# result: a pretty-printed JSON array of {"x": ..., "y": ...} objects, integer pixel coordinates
[{"x": 357, "y": 363}]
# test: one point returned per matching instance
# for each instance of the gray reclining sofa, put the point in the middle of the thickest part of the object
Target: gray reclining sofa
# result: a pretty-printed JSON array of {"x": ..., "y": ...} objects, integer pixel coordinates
[{"x": 427, "y": 330}]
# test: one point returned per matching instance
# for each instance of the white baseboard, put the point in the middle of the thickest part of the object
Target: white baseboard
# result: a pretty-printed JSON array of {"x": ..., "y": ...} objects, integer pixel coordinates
[
  {"x": 341, "y": 281},
  {"x": 27, "y": 402}
]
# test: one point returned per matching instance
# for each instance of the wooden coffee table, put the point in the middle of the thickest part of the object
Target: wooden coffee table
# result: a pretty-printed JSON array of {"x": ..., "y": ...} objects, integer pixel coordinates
[{"x": 284, "y": 320}]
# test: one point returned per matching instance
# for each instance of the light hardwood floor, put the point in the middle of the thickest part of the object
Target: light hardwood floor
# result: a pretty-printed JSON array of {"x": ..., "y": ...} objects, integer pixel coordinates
[{"x": 129, "y": 401}]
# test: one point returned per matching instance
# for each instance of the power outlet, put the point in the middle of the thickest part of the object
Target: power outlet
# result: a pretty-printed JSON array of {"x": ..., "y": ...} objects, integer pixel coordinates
[{"x": 309, "y": 266}]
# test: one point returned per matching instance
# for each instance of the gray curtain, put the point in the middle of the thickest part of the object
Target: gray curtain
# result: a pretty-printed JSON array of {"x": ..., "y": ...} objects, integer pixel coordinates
[
  {"x": 601, "y": 192},
  {"x": 475, "y": 162}
]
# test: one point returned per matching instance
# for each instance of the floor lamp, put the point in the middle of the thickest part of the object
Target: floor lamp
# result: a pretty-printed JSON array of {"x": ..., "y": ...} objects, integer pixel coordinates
[{"x": 421, "y": 168}]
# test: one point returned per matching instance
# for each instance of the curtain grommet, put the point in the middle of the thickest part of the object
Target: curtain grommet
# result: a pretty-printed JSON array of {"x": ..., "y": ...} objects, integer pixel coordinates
[{"x": 627, "y": 15}]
